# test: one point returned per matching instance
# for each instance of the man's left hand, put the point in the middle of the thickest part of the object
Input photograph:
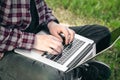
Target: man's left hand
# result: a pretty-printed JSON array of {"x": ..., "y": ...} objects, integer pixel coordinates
[{"x": 57, "y": 29}]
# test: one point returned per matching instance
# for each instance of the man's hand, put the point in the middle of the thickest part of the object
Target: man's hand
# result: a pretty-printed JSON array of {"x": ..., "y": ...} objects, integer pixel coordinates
[
  {"x": 56, "y": 29},
  {"x": 48, "y": 43},
  {"x": 53, "y": 43}
]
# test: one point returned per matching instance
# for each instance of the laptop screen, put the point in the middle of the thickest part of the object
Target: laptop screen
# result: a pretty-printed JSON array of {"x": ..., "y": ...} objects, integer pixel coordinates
[{"x": 115, "y": 35}]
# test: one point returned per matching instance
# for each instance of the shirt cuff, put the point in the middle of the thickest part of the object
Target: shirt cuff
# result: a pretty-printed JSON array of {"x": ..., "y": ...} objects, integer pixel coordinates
[
  {"x": 53, "y": 20},
  {"x": 27, "y": 41}
]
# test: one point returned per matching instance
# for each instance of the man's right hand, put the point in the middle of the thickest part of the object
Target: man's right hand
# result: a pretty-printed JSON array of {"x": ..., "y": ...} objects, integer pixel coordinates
[{"x": 48, "y": 43}]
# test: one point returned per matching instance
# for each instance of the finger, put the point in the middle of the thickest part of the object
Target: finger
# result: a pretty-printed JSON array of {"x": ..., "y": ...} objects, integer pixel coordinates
[
  {"x": 57, "y": 37},
  {"x": 57, "y": 46},
  {"x": 72, "y": 34},
  {"x": 59, "y": 51},
  {"x": 67, "y": 36},
  {"x": 52, "y": 51}
]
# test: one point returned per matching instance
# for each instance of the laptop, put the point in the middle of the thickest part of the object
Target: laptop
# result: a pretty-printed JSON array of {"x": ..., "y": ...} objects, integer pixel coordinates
[
  {"x": 79, "y": 52},
  {"x": 80, "y": 49}
]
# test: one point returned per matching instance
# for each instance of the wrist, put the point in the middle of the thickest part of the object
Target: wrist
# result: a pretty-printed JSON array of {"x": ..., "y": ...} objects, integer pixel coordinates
[
  {"x": 51, "y": 23},
  {"x": 26, "y": 41},
  {"x": 35, "y": 41}
]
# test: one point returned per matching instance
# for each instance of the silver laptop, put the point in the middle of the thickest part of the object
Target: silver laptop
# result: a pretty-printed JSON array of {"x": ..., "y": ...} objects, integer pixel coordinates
[
  {"x": 80, "y": 51},
  {"x": 72, "y": 55}
]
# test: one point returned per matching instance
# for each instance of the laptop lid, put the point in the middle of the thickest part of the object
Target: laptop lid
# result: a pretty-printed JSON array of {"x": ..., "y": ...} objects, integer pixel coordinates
[{"x": 115, "y": 35}]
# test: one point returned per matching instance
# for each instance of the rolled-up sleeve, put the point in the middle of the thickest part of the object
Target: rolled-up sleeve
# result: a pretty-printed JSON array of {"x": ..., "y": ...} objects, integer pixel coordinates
[
  {"x": 14, "y": 38},
  {"x": 48, "y": 14}
]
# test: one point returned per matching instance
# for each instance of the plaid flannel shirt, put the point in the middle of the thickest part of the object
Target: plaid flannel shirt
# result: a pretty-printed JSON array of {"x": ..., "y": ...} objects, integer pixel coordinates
[{"x": 14, "y": 18}]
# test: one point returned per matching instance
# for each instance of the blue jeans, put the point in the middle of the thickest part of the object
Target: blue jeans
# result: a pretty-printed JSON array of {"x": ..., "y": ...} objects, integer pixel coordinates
[{"x": 16, "y": 67}]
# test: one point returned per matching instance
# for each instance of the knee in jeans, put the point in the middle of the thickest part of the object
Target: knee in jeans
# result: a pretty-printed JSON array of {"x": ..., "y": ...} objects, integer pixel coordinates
[{"x": 5, "y": 76}]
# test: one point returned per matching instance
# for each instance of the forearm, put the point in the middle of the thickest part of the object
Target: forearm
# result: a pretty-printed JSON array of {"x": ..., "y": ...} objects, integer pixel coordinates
[{"x": 14, "y": 38}]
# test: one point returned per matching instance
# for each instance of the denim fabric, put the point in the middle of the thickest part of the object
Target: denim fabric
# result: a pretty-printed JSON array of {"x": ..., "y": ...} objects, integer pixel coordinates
[{"x": 16, "y": 67}]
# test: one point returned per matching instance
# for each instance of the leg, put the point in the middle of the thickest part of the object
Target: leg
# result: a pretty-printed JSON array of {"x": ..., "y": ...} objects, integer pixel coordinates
[
  {"x": 16, "y": 67},
  {"x": 99, "y": 34}
]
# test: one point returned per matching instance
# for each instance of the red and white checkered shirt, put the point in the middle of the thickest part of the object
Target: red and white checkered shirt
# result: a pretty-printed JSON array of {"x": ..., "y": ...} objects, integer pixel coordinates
[{"x": 14, "y": 18}]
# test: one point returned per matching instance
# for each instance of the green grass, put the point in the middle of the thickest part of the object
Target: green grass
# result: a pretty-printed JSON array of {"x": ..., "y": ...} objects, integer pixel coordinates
[{"x": 104, "y": 12}]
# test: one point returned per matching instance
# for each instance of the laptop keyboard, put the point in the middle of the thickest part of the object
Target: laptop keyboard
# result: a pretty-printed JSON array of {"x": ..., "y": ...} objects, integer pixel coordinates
[{"x": 68, "y": 51}]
